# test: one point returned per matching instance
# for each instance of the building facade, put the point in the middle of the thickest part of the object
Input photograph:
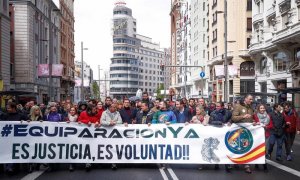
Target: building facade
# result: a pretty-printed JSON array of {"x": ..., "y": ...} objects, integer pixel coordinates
[
  {"x": 238, "y": 40},
  {"x": 181, "y": 47},
  {"x": 5, "y": 59},
  {"x": 67, "y": 43},
  {"x": 199, "y": 52},
  {"x": 275, "y": 48},
  {"x": 136, "y": 59},
  {"x": 35, "y": 30},
  {"x": 87, "y": 81}
]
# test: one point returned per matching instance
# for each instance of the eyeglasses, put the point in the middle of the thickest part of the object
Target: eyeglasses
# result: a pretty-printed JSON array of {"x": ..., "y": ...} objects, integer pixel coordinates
[{"x": 100, "y": 104}]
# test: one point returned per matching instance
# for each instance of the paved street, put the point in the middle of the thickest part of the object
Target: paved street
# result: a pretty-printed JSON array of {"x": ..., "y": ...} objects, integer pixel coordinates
[{"x": 284, "y": 170}]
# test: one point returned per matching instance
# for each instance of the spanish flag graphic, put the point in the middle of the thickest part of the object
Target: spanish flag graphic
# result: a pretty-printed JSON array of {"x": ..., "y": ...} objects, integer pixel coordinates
[{"x": 254, "y": 154}]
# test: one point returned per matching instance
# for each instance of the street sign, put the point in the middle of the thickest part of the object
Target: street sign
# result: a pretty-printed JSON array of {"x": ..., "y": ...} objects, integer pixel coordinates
[{"x": 202, "y": 74}]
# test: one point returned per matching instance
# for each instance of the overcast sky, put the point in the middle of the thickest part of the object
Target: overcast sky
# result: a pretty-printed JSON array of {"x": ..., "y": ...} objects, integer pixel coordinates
[{"x": 93, "y": 26}]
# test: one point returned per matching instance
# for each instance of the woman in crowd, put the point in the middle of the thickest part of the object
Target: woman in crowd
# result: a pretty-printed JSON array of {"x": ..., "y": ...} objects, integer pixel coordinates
[
  {"x": 35, "y": 114},
  {"x": 53, "y": 115},
  {"x": 89, "y": 117},
  {"x": 263, "y": 118},
  {"x": 201, "y": 117},
  {"x": 72, "y": 118}
]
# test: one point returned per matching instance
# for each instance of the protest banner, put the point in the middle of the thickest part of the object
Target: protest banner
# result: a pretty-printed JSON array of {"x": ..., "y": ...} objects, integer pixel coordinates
[{"x": 48, "y": 142}]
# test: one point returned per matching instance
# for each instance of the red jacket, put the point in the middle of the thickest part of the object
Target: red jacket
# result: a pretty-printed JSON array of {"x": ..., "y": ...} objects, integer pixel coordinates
[
  {"x": 100, "y": 111},
  {"x": 267, "y": 127},
  {"x": 85, "y": 118},
  {"x": 292, "y": 118}
]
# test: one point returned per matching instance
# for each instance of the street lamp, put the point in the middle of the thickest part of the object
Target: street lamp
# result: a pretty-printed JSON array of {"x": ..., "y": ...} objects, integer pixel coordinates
[
  {"x": 82, "y": 91},
  {"x": 99, "y": 70},
  {"x": 50, "y": 10}
]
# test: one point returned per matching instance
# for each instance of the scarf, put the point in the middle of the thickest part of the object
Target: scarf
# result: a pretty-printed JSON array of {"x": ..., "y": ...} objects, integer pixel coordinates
[
  {"x": 263, "y": 118},
  {"x": 72, "y": 118}
]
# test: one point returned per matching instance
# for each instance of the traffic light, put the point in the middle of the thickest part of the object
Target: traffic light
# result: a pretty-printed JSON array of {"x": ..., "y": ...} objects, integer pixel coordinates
[{"x": 200, "y": 92}]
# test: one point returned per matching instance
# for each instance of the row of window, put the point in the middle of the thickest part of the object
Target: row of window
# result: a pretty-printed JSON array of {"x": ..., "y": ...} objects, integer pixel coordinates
[
  {"x": 124, "y": 76},
  {"x": 124, "y": 55},
  {"x": 122, "y": 40},
  {"x": 124, "y": 69},
  {"x": 120, "y": 12},
  {"x": 123, "y": 48},
  {"x": 124, "y": 82},
  {"x": 124, "y": 61}
]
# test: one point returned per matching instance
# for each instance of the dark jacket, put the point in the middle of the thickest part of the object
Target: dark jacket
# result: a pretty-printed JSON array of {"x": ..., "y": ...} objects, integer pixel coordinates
[
  {"x": 13, "y": 117},
  {"x": 144, "y": 117},
  {"x": 220, "y": 117},
  {"x": 128, "y": 115},
  {"x": 81, "y": 103},
  {"x": 185, "y": 113},
  {"x": 150, "y": 104},
  {"x": 191, "y": 112},
  {"x": 278, "y": 124}
]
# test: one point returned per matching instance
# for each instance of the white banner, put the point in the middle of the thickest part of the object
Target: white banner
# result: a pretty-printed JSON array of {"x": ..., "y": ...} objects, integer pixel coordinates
[{"x": 47, "y": 142}]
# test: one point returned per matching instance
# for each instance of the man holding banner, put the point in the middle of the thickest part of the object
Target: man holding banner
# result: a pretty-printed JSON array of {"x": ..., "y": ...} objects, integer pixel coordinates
[
  {"x": 243, "y": 113},
  {"x": 111, "y": 117}
]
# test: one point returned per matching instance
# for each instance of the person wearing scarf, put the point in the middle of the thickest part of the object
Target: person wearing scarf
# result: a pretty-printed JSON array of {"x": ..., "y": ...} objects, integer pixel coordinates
[{"x": 263, "y": 118}]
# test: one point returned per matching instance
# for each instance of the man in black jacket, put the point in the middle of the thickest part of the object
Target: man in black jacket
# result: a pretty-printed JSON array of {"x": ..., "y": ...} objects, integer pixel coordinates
[
  {"x": 145, "y": 99},
  {"x": 220, "y": 116},
  {"x": 144, "y": 116},
  {"x": 127, "y": 113},
  {"x": 12, "y": 115},
  {"x": 277, "y": 132}
]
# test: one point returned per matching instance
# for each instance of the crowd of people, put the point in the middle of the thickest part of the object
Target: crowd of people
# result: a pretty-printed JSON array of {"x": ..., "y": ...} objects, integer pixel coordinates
[{"x": 281, "y": 123}]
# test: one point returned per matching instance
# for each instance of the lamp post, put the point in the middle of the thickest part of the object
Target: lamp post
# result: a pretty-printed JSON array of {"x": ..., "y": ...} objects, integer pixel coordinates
[
  {"x": 82, "y": 91},
  {"x": 226, "y": 94}
]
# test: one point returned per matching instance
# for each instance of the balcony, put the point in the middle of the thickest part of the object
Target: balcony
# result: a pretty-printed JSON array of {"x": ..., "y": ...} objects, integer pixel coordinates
[
  {"x": 244, "y": 53},
  {"x": 257, "y": 18},
  {"x": 270, "y": 12},
  {"x": 220, "y": 58}
]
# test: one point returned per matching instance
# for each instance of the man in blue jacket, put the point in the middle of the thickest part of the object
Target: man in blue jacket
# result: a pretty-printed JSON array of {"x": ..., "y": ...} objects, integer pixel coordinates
[{"x": 181, "y": 112}]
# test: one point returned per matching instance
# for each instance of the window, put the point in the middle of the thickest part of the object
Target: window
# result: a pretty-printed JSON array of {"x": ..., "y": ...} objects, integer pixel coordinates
[
  {"x": 203, "y": 22},
  {"x": 214, "y": 4},
  {"x": 280, "y": 62},
  {"x": 203, "y": 54},
  {"x": 263, "y": 87},
  {"x": 297, "y": 54},
  {"x": 230, "y": 86},
  {"x": 203, "y": 6},
  {"x": 247, "y": 86},
  {"x": 248, "y": 42},
  {"x": 247, "y": 68},
  {"x": 249, "y": 5},
  {"x": 299, "y": 13},
  {"x": 249, "y": 24},
  {"x": 203, "y": 37}
]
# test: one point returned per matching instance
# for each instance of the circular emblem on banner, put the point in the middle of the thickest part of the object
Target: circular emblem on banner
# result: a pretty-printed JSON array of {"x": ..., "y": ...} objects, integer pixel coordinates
[{"x": 239, "y": 141}]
